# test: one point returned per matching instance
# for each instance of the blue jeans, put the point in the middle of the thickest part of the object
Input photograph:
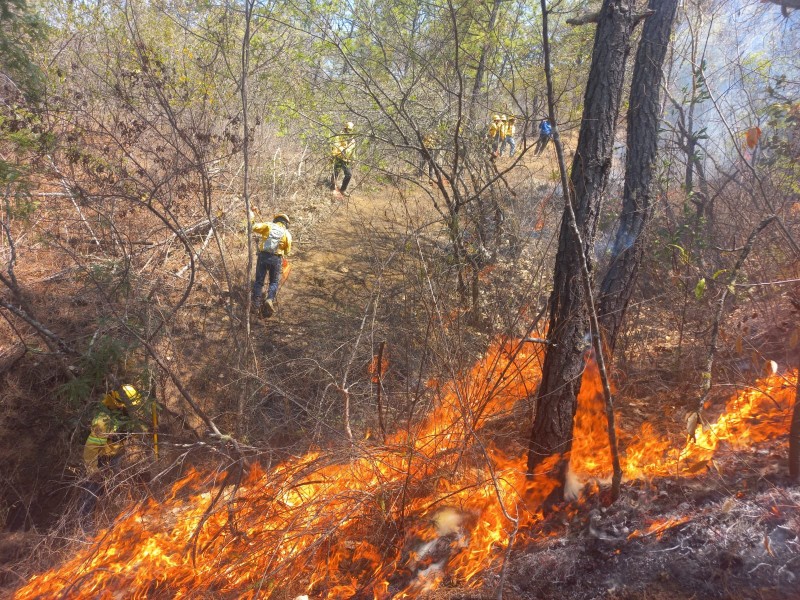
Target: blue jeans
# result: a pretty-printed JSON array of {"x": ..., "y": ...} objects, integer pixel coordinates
[
  {"x": 511, "y": 142},
  {"x": 267, "y": 263},
  {"x": 423, "y": 163}
]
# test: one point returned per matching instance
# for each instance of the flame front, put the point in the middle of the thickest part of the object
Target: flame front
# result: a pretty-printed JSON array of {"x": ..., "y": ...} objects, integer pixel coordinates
[{"x": 438, "y": 500}]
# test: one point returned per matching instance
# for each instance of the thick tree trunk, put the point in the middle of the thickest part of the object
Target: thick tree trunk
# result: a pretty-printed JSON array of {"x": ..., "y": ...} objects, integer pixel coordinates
[
  {"x": 569, "y": 325},
  {"x": 644, "y": 115}
]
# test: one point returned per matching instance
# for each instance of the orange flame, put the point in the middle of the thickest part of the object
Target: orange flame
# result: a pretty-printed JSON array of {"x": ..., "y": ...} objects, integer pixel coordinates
[
  {"x": 754, "y": 415},
  {"x": 658, "y": 528},
  {"x": 437, "y": 499},
  {"x": 376, "y": 370}
]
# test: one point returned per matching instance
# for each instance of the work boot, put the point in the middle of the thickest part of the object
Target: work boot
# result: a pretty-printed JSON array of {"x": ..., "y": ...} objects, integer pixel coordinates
[{"x": 268, "y": 308}]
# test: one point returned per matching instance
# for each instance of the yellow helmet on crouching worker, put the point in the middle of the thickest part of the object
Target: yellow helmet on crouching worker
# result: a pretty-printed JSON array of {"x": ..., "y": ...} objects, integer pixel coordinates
[
  {"x": 125, "y": 396},
  {"x": 281, "y": 217}
]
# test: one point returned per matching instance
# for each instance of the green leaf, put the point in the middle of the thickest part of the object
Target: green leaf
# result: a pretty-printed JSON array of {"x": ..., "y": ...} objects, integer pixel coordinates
[
  {"x": 683, "y": 253},
  {"x": 700, "y": 288},
  {"x": 718, "y": 273}
]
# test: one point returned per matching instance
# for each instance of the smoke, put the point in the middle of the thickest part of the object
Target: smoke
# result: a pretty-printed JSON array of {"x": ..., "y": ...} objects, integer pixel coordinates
[
  {"x": 572, "y": 485},
  {"x": 426, "y": 559}
]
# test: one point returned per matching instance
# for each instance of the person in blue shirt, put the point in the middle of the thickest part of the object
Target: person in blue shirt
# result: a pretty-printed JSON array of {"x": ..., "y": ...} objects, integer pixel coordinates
[{"x": 545, "y": 133}]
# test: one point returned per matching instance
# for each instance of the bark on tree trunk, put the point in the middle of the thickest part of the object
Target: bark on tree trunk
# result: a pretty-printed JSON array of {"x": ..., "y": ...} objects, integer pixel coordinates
[
  {"x": 794, "y": 435},
  {"x": 644, "y": 115},
  {"x": 569, "y": 325},
  {"x": 481, "y": 70}
]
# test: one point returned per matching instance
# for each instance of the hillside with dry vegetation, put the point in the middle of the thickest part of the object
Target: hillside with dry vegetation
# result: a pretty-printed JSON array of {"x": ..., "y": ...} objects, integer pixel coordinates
[{"x": 567, "y": 373}]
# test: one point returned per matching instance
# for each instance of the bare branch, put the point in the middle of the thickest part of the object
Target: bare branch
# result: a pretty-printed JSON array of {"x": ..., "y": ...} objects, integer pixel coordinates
[
  {"x": 593, "y": 17},
  {"x": 705, "y": 386},
  {"x": 585, "y": 19}
]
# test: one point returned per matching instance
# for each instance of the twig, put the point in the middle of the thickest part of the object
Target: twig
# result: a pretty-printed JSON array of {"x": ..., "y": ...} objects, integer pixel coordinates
[
  {"x": 784, "y": 282},
  {"x": 594, "y": 17},
  {"x": 536, "y": 340},
  {"x": 507, "y": 558},
  {"x": 71, "y": 195},
  {"x": 199, "y": 252},
  {"x": 705, "y": 387},
  {"x": 49, "y": 336},
  {"x": 585, "y": 19},
  {"x": 380, "y": 389},
  {"x": 343, "y": 387}
]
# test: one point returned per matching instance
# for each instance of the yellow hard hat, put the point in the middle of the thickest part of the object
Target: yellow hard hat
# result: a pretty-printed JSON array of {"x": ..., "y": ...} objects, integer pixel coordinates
[
  {"x": 348, "y": 126},
  {"x": 496, "y": 118},
  {"x": 129, "y": 397},
  {"x": 503, "y": 118},
  {"x": 281, "y": 217},
  {"x": 512, "y": 118}
]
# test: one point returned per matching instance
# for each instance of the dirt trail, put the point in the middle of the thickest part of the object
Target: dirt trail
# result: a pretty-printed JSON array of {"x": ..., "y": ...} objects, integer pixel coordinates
[
  {"x": 323, "y": 265},
  {"x": 323, "y": 254},
  {"x": 334, "y": 245},
  {"x": 327, "y": 253}
]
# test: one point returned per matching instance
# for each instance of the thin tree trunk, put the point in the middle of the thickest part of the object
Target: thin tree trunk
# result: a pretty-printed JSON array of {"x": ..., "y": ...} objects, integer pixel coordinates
[
  {"x": 481, "y": 70},
  {"x": 569, "y": 330},
  {"x": 243, "y": 351},
  {"x": 644, "y": 115}
]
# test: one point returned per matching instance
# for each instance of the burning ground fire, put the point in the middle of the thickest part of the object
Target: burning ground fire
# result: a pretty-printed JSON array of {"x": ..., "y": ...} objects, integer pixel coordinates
[{"x": 393, "y": 520}]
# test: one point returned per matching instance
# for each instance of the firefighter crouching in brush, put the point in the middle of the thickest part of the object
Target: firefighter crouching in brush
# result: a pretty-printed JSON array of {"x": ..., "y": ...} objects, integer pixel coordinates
[{"x": 105, "y": 448}]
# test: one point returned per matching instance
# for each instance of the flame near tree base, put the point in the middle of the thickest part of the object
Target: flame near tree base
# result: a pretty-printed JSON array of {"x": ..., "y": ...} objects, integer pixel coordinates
[{"x": 393, "y": 520}]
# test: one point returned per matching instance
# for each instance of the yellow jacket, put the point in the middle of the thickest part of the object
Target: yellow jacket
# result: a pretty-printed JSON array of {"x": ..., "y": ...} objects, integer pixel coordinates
[
  {"x": 343, "y": 146},
  {"x": 510, "y": 130},
  {"x": 98, "y": 443},
  {"x": 495, "y": 128},
  {"x": 275, "y": 238}
]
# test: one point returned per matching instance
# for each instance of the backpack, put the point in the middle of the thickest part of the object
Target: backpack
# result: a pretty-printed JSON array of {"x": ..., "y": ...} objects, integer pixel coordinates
[{"x": 273, "y": 240}]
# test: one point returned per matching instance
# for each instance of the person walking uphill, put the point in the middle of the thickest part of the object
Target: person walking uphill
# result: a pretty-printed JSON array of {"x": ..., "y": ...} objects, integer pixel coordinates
[
  {"x": 274, "y": 246},
  {"x": 545, "y": 133},
  {"x": 508, "y": 136},
  {"x": 342, "y": 150},
  {"x": 495, "y": 133}
]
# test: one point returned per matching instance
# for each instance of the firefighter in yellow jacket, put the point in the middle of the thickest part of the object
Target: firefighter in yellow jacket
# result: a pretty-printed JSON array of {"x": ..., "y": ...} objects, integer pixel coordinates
[
  {"x": 342, "y": 150},
  {"x": 431, "y": 144},
  {"x": 495, "y": 134},
  {"x": 105, "y": 445},
  {"x": 273, "y": 248},
  {"x": 509, "y": 131}
]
